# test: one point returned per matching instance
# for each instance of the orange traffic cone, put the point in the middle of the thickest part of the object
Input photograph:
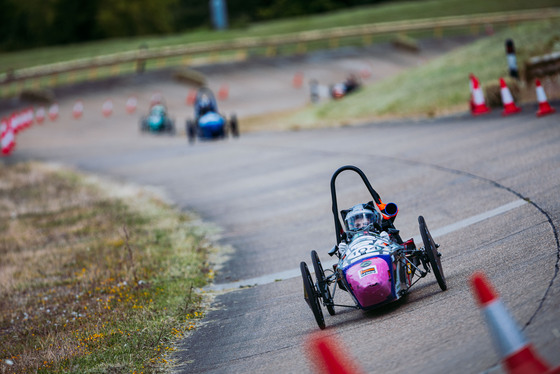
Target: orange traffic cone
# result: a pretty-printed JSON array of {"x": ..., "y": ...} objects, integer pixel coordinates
[
  {"x": 131, "y": 104},
  {"x": 478, "y": 105},
  {"x": 223, "y": 93},
  {"x": 544, "y": 106},
  {"x": 297, "y": 82},
  {"x": 191, "y": 97},
  {"x": 329, "y": 357},
  {"x": 107, "y": 108},
  {"x": 517, "y": 355},
  {"x": 40, "y": 115},
  {"x": 53, "y": 112},
  {"x": 78, "y": 109},
  {"x": 507, "y": 100}
]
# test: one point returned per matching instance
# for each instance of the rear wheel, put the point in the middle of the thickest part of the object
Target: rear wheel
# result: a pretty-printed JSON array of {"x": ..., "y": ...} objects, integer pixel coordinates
[
  {"x": 143, "y": 124},
  {"x": 191, "y": 131},
  {"x": 170, "y": 126},
  {"x": 311, "y": 295},
  {"x": 434, "y": 258},
  {"x": 233, "y": 126},
  {"x": 322, "y": 283}
]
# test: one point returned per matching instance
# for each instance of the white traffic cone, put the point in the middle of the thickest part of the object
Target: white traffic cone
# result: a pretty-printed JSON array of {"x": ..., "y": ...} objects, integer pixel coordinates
[
  {"x": 544, "y": 106},
  {"x": 78, "y": 109},
  {"x": 131, "y": 104},
  {"x": 107, "y": 108},
  {"x": 516, "y": 354},
  {"x": 478, "y": 105},
  {"x": 507, "y": 100}
]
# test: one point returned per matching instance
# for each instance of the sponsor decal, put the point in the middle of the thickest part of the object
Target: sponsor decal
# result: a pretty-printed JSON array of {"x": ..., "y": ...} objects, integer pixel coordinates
[
  {"x": 365, "y": 264},
  {"x": 368, "y": 271}
]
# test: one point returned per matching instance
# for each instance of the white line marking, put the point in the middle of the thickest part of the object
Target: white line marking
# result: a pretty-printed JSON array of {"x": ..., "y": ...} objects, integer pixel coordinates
[{"x": 292, "y": 273}]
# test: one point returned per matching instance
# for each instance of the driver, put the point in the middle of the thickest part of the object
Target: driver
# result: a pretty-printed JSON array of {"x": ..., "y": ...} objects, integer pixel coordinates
[
  {"x": 204, "y": 105},
  {"x": 360, "y": 217}
]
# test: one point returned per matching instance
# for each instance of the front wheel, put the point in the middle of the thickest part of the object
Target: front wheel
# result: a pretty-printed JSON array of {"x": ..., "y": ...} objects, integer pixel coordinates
[
  {"x": 322, "y": 283},
  {"x": 170, "y": 126},
  {"x": 311, "y": 295},
  {"x": 434, "y": 258}
]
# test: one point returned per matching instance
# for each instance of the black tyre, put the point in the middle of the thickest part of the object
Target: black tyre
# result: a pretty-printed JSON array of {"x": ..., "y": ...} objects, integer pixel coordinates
[
  {"x": 170, "y": 126},
  {"x": 322, "y": 283},
  {"x": 311, "y": 295},
  {"x": 143, "y": 124},
  {"x": 191, "y": 131},
  {"x": 434, "y": 258},
  {"x": 234, "y": 126}
]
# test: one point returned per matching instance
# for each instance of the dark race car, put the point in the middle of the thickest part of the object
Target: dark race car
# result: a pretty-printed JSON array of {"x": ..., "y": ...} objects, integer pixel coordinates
[{"x": 208, "y": 123}]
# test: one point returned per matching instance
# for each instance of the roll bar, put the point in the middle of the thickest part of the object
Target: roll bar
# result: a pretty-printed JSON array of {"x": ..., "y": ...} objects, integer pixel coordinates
[{"x": 374, "y": 195}]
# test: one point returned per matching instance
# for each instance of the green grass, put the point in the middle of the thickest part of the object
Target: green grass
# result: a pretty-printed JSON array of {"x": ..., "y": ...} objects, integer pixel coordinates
[
  {"x": 93, "y": 280},
  {"x": 437, "y": 87},
  {"x": 390, "y": 11}
]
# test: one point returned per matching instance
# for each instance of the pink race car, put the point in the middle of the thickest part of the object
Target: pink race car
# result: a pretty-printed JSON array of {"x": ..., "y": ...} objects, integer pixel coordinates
[{"x": 374, "y": 265}]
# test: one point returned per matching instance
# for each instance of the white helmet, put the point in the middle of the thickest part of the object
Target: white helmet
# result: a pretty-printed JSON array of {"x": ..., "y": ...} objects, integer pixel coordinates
[{"x": 359, "y": 217}]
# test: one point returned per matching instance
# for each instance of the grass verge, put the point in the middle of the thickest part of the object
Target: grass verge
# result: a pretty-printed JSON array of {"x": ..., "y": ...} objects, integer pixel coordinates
[
  {"x": 94, "y": 277},
  {"x": 437, "y": 88}
]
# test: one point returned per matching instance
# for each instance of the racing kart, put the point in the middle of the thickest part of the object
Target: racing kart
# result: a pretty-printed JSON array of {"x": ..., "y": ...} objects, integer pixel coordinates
[
  {"x": 339, "y": 90},
  {"x": 208, "y": 123},
  {"x": 157, "y": 120},
  {"x": 374, "y": 265}
]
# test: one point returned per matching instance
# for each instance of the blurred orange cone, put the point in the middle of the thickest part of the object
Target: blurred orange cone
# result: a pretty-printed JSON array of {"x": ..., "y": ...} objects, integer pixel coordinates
[
  {"x": 40, "y": 115},
  {"x": 191, "y": 97},
  {"x": 544, "y": 106},
  {"x": 507, "y": 100},
  {"x": 223, "y": 93},
  {"x": 516, "y": 354},
  {"x": 78, "y": 109},
  {"x": 329, "y": 357},
  {"x": 131, "y": 104},
  {"x": 53, "y": 112},
  {"x": 297, "y": 82},
  {"x": 107, "y": 108},
  {"x": 478, "y": 105}
]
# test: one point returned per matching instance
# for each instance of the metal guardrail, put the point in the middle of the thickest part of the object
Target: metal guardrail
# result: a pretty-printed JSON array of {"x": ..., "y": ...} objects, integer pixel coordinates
[{"x": 140, "y": 57}]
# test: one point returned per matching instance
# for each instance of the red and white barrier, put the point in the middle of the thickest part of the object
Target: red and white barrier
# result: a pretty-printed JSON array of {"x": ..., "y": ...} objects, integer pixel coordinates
[
  {"x": 544, "y": 106},
  {"x": 516, "y": 354},
  {"x": 328, "y": 357},
  {"x": 28, "y": 117},
  {"x": 107, "y": 108},
  {"x": 78, "y": 109},
  {"x": 507, "y": 100},
  {"x": 478, "y": 105},
  {"x": 21, "y": 120},
  {"x": 40, "y": 115},
  {"x": 53, "y": 112},
  {"x": 131, "y": 104},
  {"x": 7, "y": 137}
]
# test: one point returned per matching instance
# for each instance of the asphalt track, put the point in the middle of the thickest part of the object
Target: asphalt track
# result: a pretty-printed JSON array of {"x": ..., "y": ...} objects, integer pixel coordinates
[{"x": 488, "y": 186}]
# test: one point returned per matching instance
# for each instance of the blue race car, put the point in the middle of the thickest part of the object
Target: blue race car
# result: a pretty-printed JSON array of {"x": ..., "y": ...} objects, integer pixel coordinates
[
  {"x": 158, "y": 120},
  {"x": 208, "y": 123}
]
